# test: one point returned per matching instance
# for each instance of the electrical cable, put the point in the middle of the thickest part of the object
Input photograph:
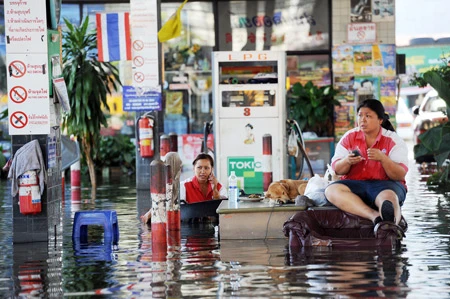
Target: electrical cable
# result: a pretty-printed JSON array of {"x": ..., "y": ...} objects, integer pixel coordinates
[{"x": 268, "y": 221}]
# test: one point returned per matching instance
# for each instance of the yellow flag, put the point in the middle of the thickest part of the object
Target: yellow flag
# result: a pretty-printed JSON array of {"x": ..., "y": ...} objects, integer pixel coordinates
[{"x": 172, "y": 28}]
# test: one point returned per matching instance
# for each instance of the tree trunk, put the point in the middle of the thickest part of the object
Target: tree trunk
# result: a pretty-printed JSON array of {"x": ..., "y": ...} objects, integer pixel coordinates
[{"x": 90, "y": 163}]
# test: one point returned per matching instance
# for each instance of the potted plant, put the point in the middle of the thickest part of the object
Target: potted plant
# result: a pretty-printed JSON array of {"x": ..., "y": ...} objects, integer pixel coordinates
[
  {"x": 88, "y": 83},
  {"x": 313, "y": 107}
]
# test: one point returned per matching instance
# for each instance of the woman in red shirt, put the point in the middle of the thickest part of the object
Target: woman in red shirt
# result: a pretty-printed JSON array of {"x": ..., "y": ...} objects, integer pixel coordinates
[
  {"x": 203, "y": 185},
  {"x": 373, "y": 161}
]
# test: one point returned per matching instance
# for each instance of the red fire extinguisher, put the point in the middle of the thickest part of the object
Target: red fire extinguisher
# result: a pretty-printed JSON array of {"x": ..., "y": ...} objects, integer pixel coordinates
[
  {"x": 29, "y": 193},
  {"x": 145, "y": 136}
]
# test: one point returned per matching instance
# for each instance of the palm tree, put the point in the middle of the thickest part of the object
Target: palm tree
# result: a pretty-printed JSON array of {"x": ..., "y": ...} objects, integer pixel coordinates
[{"x": 88, "y": 83}]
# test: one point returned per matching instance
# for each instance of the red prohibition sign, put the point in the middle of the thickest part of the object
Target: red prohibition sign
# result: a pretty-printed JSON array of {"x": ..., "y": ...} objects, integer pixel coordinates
[
  {"x": 139, "y": 77},
  {"x": 361, "y": 34},
  {"x": 138, "y": 61},
  {"x": 138, "y": 45},
  {"x": 18, "y": 94},
  {"x": 17, "y": 69},
  {"x": 19, "y": 120}
]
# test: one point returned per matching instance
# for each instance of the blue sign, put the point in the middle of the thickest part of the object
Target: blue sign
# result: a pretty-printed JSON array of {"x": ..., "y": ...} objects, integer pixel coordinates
[{"x": 147, "y": 101}]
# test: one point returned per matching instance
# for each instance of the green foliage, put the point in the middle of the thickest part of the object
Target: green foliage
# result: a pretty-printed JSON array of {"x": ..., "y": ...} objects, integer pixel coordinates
[
  {"x": 435, "y": 141},
  {"x": 313, "y": 107},
  {"x": 88, "y": 82},
  {"x": 4, "y": 114},
  {"x": 438, "y": 181},
  {"x": 116, "y": 151}
]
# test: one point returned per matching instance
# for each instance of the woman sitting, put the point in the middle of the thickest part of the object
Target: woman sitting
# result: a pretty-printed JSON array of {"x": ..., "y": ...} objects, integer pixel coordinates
[
  {"x": 373, "y": 162},
  {"x": 203, "y": 185}
]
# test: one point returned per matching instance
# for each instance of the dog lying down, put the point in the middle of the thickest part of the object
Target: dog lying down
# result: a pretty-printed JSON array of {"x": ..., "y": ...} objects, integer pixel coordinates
[{"x": 285, "y": 191}]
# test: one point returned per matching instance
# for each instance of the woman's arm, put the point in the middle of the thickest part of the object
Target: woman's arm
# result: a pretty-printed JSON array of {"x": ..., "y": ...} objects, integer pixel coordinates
[
  {"x": 395, "y": 171},
  {"x": 223, "y": 192},
  {"x": 344, "y": 165},
  {"x": 215, "y": 186}
]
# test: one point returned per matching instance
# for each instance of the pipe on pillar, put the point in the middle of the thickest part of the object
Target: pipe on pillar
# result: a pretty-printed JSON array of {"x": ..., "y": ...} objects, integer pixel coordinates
[
  {"x": 63, "y": 185},
  {"x": 173, "y": 212},
  {"x": 267, "y": 161},
  {"x": 159, "y": 216},
  {"x": 75, "y": 177}
]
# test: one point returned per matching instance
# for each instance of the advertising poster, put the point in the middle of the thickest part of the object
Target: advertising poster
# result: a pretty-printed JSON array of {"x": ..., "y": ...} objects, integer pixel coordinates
[
  {"x": 343, "y": 59},
  {"x": 388, "y": 86},
  {"x": 174, "y": 102},
  {"x": 388, "y": 56},
  {"x": 367, "y": 87},
  {"x": 360, "y": 11},
  {"x": 362, "y": 58},
  {"x": 345, "y": 120},
  {"x": 344, "y": 85},
  {"x": 383, "y": 11}
]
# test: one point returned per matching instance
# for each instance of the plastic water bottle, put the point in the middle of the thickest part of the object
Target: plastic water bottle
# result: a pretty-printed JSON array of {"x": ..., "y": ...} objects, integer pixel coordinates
[{"x": 232, "y": 190}]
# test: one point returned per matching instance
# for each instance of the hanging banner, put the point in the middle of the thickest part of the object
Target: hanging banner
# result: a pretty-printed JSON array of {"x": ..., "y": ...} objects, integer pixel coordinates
[{"x": 144, "y": 43}]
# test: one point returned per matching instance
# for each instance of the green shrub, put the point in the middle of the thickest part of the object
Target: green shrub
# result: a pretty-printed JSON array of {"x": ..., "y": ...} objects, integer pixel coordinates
[{"x": 116, "y": 151}]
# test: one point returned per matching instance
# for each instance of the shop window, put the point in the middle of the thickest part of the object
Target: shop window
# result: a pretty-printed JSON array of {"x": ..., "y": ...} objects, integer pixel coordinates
[
  {"x": 187, "y": 69},
  {"x": 274, "y": 25},
  {"x": 70, "y": 12}
]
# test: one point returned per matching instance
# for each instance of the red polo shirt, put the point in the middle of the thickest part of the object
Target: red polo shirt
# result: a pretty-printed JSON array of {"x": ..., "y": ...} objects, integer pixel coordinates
[
  {"x": 387, "y": 141},
  {"x": 191, "y": 192}
]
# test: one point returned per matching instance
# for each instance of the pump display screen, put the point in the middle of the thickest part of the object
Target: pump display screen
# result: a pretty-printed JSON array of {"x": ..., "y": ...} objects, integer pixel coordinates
[{"x": 248, "y": 98}]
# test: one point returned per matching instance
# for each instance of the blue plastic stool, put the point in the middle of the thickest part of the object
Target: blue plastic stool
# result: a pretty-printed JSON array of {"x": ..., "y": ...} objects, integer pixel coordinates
[{"x": 107, "y": 219}]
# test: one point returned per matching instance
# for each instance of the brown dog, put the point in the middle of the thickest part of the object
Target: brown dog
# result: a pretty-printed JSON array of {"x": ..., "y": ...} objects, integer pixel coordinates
[{"x": 285, "y": 191}]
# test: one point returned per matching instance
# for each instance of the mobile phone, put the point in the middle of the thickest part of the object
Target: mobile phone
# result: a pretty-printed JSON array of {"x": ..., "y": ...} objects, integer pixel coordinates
[{"x": 356, "y": 152}]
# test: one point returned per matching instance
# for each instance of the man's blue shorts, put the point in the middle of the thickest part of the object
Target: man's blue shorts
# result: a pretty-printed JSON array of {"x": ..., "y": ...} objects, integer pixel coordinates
[{"x": 369, "y": 190}]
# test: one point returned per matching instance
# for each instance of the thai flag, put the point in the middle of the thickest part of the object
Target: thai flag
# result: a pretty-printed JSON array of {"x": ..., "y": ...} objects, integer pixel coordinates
[{"x": 113, "y": 36}]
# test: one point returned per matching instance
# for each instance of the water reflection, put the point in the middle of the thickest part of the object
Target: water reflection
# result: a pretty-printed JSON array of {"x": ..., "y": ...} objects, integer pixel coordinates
[{"x": 203, "y": 265}]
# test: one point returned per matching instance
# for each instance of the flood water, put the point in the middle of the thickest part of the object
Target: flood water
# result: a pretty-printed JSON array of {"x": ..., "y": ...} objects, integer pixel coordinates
[{"x": 206, "y": 266}]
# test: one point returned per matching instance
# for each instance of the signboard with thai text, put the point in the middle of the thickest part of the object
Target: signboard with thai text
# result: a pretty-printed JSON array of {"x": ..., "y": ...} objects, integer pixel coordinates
[
  {"x": 25, "y": 26},
  {"x": 27, "y": 67},
  {"x": 28, "y": 98},
  {"x": 361, "y": 33},
  {"x": 149, "y": 100}
]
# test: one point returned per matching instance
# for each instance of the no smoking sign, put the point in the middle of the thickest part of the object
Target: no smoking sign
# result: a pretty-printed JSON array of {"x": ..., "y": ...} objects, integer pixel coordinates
[
  {"x": 18, "y": 94},
  {"x": 18, "y": 120},
  {"x": 17, "y": 69}
]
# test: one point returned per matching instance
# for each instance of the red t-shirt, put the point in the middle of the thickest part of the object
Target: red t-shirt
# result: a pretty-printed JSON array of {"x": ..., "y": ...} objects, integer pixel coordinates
[
  {"x": 387, "y": 141},
  {"x": 191, "y": 192}
]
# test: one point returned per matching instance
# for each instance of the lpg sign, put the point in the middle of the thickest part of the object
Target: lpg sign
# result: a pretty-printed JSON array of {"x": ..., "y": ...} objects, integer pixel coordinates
[{"x": 249, "y": 172}]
